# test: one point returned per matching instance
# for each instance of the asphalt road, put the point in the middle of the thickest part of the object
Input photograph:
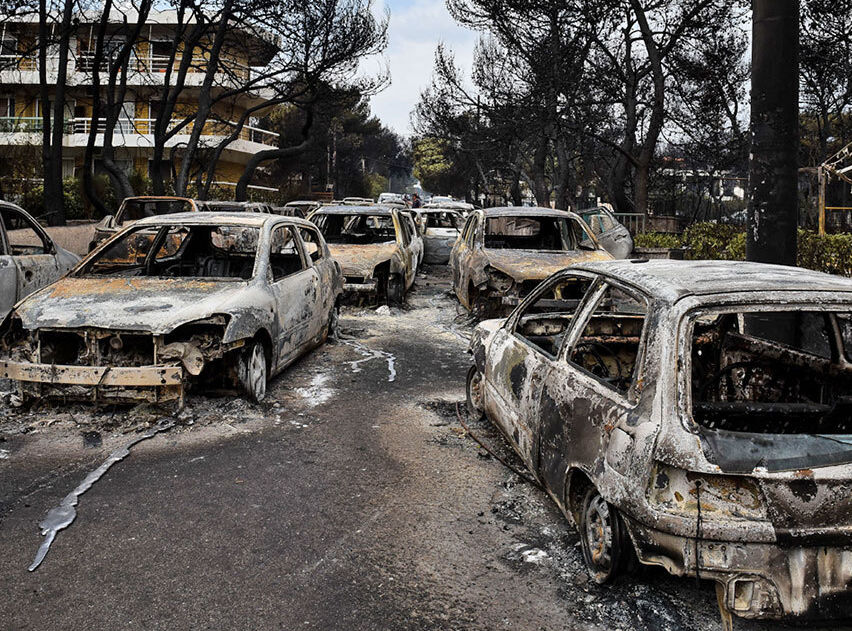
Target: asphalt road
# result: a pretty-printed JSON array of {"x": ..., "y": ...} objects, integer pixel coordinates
[{"x": 345, "y": 501}]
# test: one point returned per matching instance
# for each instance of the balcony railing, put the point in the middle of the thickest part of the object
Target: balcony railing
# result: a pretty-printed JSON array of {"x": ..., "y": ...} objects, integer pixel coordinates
[{"x": 140, "y": 126}]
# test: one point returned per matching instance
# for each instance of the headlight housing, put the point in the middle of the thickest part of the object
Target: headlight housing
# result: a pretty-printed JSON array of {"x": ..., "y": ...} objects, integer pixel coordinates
[{"x": 499, "y": 281}]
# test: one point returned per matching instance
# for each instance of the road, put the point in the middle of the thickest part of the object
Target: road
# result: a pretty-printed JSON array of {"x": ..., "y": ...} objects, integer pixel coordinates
[{"x": 344, "y": 501}]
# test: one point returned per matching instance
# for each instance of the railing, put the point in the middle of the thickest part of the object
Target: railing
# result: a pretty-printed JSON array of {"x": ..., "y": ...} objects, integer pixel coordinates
[
  {"x": 27, "y": 124},
  {"x": 635, "y": 222},
  {"x": 18, "y": 62}
]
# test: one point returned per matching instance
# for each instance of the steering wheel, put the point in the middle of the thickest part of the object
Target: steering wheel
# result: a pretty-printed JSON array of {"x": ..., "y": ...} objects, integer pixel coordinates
[{"x": 600, "y": 367}]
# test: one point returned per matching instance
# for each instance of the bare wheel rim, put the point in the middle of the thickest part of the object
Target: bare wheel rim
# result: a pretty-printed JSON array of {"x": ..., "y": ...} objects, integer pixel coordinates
[
  {"x": 257, "y": 373},
  {"x": 599, "y": 534},
  {"x": 474, "y": 390}
]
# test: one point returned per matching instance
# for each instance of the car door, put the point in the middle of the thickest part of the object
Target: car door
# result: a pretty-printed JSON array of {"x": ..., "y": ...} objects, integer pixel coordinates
[
  {"x": 524, "y": 353},
  {"x": 416, "y": 240},
  {"x": 403, "y": 241},
  {"x": 295, "y": 288},
  {"x": 8, "y": 275},
  {"x": 586, "y": 400},
  {"x": 461, "y": 255},
  {"x": 328, "y": 274},
  {"x": 32, "y": 251}
]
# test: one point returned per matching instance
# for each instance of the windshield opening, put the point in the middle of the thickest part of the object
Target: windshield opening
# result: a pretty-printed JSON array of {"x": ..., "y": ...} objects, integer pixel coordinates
[
  {"x": 179, "y": 252},
  {"x": 356, "y": 229},
  {"x": 776, "y": 372},
  {"x": 444, "y": 220},
  {"x": 532, "y": 233}
]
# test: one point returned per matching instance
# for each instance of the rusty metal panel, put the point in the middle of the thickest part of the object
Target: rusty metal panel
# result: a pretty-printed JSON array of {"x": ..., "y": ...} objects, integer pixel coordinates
[{"x": 92, "y": 375}]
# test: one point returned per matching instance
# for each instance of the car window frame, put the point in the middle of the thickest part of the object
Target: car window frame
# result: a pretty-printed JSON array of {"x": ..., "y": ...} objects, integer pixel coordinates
[
  {"x": 298, "y": 241},
  {"x": 303, "y": 243},
  {"x": 471, "y": 238},
  {"x": 48, "y": 247},
  {"x": 632, "y": 393},
  {"x": 403, "y": 238},
  {"x": 511, "y": 323}
]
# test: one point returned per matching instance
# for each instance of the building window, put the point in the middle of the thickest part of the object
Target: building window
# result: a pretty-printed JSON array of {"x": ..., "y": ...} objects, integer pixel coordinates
[
  {"x": 7, "y": 107},
  {"x": 8, "y": 47}
]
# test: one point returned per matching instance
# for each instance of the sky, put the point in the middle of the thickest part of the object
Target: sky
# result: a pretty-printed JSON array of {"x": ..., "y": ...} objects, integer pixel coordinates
[{"x": 416, "y": 28}]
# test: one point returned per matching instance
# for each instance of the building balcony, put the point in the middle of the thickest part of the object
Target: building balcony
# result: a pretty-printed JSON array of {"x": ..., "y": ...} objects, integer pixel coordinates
[{"x": 138, "y": 133}]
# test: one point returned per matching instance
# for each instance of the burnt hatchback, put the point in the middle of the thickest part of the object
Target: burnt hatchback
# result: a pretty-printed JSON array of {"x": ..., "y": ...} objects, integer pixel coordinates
[
  {"x": 503, "y": 253},
  {"x": 691, "y": 415}
]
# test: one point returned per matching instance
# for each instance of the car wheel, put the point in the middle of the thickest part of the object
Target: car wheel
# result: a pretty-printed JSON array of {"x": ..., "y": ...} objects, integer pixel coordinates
[
  {"x": 475, "y": 403},
  {"x": 253, "y": 371},
  {"x": 395, "y": 289},
  {"x": 603, "y": 538}
]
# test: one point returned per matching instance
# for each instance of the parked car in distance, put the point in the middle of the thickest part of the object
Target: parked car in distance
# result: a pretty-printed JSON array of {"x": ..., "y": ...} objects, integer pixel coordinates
[
  {"x": 610, "y": 233},
  {"x": 441, "y": 199},
  {"x": 358, "y": 201},
  {"x": 692, "y": 415},
  {"x": 213, "y": 300},
  {"x": 224, "y": 206},
  {"x": 136, "y": 208},
  {"x": 440, "y": 229},
  {"x": 462, "y": 207},
  {"x": 504, "y": 253},
  {"x": 298, "y": 208},
  {"x": 385, "y": 198},
  {"x": 29, "y": 259},
  {"x": 378, "y": 248}
]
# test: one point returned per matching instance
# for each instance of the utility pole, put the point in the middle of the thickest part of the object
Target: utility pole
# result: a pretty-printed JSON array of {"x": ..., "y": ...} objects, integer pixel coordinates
[{"x": 773, "y": 167}]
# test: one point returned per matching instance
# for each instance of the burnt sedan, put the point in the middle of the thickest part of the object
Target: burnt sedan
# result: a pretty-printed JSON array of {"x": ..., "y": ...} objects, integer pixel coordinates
[
  {"x": 504, "y": 253},
  {"x": 136, "y": 208},
  {"x": 216, "y": 300},
  {"x": 378, "y": 248},
  {"x": 691, "y": 415}
]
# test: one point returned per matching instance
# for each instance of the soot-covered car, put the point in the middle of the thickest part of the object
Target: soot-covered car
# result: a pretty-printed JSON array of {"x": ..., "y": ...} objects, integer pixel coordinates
[
  {"x": 613, "y": 236},
  {"x": 216, "y": 300},
  {"x": 378, "y": 248},
  {"x": 693, "y": 415},
  {"x": 29, "y": 259},
  {"x": 136, "y": 208},
  {"x": 504, "y": 253},
  {"x": 440, "y": 229}
]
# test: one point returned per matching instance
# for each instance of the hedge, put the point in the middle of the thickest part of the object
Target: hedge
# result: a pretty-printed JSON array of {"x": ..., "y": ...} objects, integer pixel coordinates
[{"x": 831, "y": 253}]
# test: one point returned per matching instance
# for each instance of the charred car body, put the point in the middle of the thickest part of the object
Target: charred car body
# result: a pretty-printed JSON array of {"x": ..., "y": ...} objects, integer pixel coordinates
[
  {"x": 136, "y": 208},
  {"x": 440, "y": 229},
  {"x": 696, "y": 414},
  {"x": 504, "y": 253},
  {"x": 214, "y": 299},
  {"x": 613, "y": 236},
  {"x": 29, "y": 259},
  {"x": 378, "y": 248}
]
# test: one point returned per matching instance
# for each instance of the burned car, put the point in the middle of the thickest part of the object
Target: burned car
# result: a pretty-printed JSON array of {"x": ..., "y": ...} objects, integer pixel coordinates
[
  {"x": 136, "y": 208},
  {"x": 378, "y": 248},
  {"x": 691, "y": 415},
  {"x": 610, "y": 233},
  {"x": 215, "y": 300},
  {"x": 224, "y": 206},
  {"x": 440, "y": 229},
  {"x": 29, "y": 259},
  {"x": 298, "y": 208},
  {"x": 504, "y": 253}
]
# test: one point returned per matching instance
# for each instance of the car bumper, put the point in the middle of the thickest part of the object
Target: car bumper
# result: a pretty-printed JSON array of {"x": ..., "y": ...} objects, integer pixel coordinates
[
  {"x": 111, "y": 382},
  {"x": 365, "y": 287},
  {"x": 759, "y": 580}
]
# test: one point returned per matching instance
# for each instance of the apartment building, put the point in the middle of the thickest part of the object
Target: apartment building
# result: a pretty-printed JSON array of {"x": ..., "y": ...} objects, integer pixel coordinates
[{"x": 244, "y": 53}]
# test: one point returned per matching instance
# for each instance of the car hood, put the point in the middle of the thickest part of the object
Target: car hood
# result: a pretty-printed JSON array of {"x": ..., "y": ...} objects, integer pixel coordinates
[
  {"x": 361, "y": 260},
  {"x": 524, "y": 265},
  {"x": 156, "y": 305}
]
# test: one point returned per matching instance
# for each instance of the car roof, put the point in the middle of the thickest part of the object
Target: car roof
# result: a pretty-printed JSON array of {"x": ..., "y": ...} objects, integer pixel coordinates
[
  {"x": 220, "y": 218},
  {"x": 670, "y": 280},
  {"x": 525, "y": 211},
  {"x": 354, "y": 210}
]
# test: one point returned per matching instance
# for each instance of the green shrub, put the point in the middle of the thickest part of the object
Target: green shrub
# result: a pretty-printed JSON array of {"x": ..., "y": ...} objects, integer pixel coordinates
[
  {"x": 657, "y": 240},
  {"x": 33, "y": 200},
  {"x": 714, "y": 241},
  {"x": 830, "y": 253}
]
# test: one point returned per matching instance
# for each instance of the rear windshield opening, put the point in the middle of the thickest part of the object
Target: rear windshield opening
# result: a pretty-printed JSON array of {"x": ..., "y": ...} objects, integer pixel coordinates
[
  {"x": 531, "y": 233},
  {"x": 179, "y": 252},
  {"x": 444, "y": 220},
  {"x": 356, "y": 229},
  {"x": 773, "y": 372},
  {"x": 139, "y": 209}
]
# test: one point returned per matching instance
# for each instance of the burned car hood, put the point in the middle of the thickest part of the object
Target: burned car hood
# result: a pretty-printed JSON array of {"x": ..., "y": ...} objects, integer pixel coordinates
[
  {"x": 361, "y": 260},
  {"x": 156, "y": 305},
  {"x": 524, "y": 265}
]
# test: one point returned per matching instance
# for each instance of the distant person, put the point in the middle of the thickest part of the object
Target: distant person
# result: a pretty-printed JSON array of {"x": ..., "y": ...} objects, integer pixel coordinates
[{"x": 415, "y": 201}]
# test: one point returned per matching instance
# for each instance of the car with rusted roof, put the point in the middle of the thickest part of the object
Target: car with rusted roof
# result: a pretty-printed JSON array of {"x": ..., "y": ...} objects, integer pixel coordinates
[
  {"x": 29, "y": 258},
  {"x": 228, "y": 206},
  {"x": 202, "y": 300},
  {"x": 504, "y": 253},
  {"x": 136, "y": 208},
  {"x": 691, "y": 415},
  {"x": 378, "y": 248}
]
